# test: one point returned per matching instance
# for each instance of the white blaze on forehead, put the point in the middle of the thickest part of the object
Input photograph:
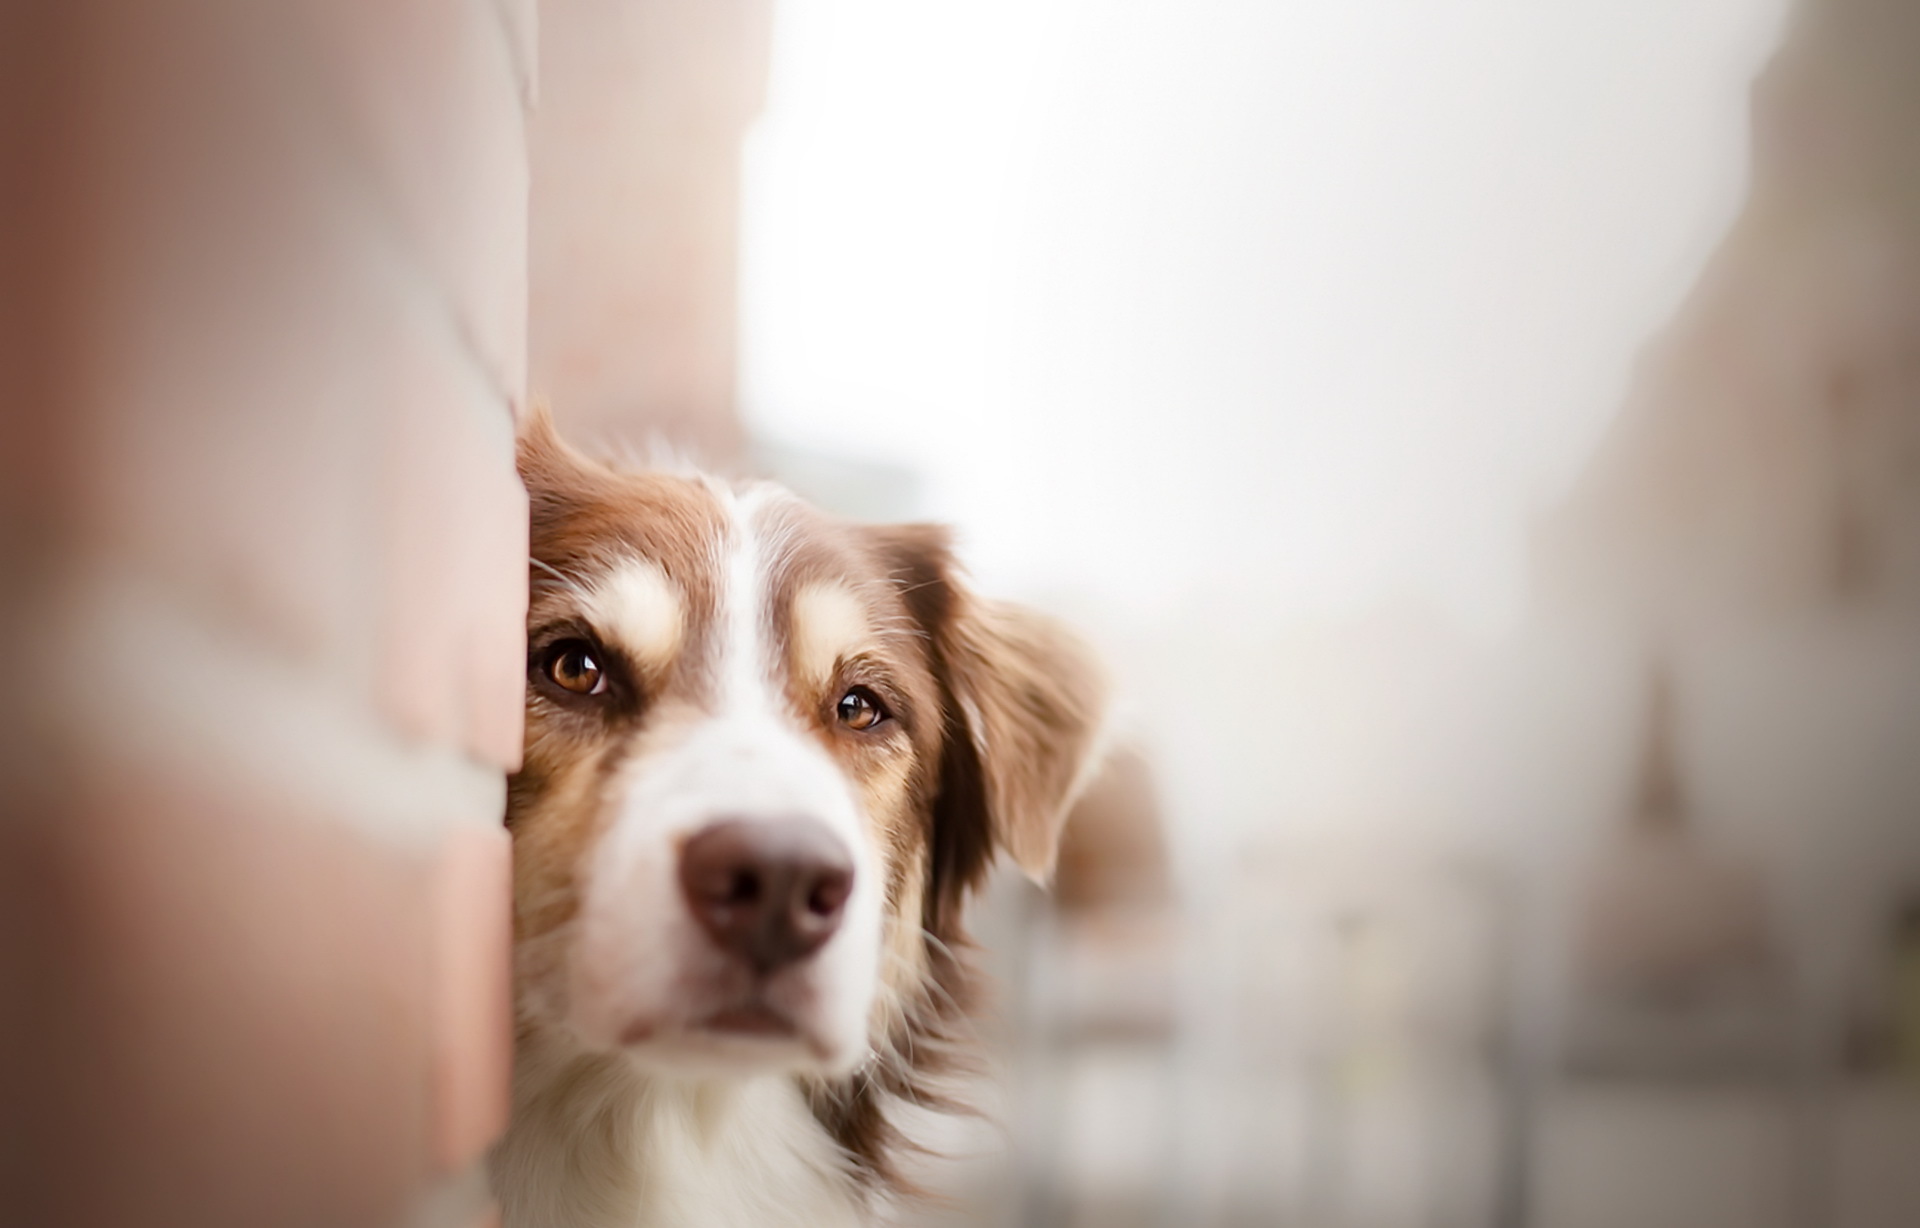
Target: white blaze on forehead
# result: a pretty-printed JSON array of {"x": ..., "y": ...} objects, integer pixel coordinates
[
  {"x": 636, "y": 607},
  {"x": 829, "y": 622},
  {"x": 745, "y": 664}
]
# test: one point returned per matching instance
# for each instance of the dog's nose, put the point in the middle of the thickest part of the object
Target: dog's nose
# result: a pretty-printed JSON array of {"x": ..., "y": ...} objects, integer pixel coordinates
[{"x": 770, "y": 890}]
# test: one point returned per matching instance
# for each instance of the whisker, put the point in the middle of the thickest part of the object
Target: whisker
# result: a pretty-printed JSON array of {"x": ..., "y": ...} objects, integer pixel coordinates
[{"x": 560, "y": 576}]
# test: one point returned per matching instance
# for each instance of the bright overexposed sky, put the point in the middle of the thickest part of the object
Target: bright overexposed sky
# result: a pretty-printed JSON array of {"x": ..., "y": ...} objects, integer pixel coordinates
[{"x": 1303, "y": 304}]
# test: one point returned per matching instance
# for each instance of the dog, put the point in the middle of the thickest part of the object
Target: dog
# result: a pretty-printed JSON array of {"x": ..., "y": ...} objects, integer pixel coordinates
[{"x": 768, "y": 756}]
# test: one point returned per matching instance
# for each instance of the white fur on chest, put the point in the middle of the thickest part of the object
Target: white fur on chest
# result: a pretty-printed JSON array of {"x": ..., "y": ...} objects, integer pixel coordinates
[{"x": 595, "y": 1145}]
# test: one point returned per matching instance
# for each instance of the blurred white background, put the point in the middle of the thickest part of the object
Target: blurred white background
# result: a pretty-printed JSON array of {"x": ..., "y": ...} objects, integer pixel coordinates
[{"x": 1303, "y": 304}]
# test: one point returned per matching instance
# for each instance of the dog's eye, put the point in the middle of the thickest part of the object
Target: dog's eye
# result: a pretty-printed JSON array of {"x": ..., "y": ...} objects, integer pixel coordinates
[
  {"x": 860, "y": 708},
  {"x": 574, "y": 666}
]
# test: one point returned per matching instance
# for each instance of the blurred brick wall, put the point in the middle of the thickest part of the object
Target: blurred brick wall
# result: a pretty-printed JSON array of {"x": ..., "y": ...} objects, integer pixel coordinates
[
  {"x": 262, "y": 579},
  {"x": 636, "y": 201}
]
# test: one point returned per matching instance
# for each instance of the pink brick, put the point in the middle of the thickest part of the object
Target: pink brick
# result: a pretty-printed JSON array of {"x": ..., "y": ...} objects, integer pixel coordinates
[
  {"x": 216, "y": 326},
  {"x": 520, "y": 21},
  {"x": 495, "y": 662},
  {"x": 454, "y": 548},
  {"x": 432, "y": 96},
  {"x": 424, "y": 475},
  {"x": 473, "y": 1044},
  {"x": 240, "y": 1027}
]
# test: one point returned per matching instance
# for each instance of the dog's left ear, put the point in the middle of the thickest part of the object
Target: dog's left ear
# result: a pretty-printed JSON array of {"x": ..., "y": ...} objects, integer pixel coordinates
[{"x": 1026, "y": 706}]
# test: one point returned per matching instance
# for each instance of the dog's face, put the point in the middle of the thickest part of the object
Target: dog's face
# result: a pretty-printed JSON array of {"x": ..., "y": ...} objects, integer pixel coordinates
[{"x": 767, "y": 752}]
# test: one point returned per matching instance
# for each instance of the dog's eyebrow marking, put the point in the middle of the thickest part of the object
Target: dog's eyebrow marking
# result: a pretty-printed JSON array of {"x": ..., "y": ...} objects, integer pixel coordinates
[
  {"x": 636, "y": 608},
  {"x": 829, "y": 622}
]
